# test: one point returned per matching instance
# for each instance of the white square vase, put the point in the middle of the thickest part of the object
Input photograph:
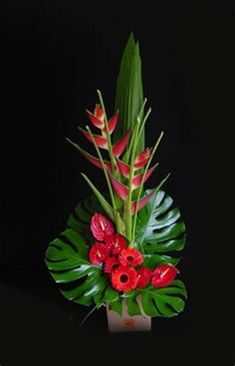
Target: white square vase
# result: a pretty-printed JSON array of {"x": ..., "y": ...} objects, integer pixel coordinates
[{"x": 126, "y": 322}]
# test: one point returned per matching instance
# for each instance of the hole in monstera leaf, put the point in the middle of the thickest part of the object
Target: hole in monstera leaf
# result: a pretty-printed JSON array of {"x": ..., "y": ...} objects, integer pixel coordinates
[
  {"x": 68, "y": 242},
  {"x": 78, "y": 218}
]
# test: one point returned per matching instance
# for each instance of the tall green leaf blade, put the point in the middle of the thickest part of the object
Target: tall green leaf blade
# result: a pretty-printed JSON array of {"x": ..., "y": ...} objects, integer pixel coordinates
[{"x": 129, "y": 91}]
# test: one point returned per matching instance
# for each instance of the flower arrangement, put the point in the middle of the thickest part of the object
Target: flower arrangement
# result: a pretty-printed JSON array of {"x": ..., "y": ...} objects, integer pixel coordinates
[{"x": 118, "y": 242}]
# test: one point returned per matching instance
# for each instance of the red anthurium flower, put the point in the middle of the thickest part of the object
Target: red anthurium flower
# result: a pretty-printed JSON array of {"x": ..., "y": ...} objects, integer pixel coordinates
[
  {"x": 115, "y": 243},
  {"x": 98, "y": 253},
  {"x": 164, "y": 275},
  {"x": 142, "y": 159},
  {"x": 142, "y": 202},
  {"x": 144, "y": 277},
  {"x": 111, "y": 264},
  {"x": 101, "y": 141},
  {"x": 137, "y": 180},
  {"x": 120, "y": 146},
  {"x": 101, "y": 227},
  {"x": 130, "y": 257},
  {"x": 120, "y": 188},
  {"x": 124, "y": 278}
]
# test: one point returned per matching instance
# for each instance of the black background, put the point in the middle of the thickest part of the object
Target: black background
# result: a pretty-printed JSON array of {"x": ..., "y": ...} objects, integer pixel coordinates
[{"x": 55, "y": 55}]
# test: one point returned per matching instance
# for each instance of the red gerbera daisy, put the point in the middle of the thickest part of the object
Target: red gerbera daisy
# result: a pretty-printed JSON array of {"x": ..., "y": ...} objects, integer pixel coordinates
[
  {"x": 144, "y": 277},
  {"x": 98, "y": 253},
  {"x": 111, "y": 264},
  {"x": 130, "y": 257},
  {"x": 115, "y": 243},
  {"x": 164, "y": 275},
  {"x": 101, "y": 227},
  {"x": 124, "y": 278}
]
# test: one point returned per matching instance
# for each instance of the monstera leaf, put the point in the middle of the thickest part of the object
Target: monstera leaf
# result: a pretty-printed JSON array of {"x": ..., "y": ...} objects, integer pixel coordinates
[
  {"x": 67, "y": 261},
  {"x": 80, "y": 218},
  {"x": 165, "y": 302},
  {"x": 159, "y": 228}
]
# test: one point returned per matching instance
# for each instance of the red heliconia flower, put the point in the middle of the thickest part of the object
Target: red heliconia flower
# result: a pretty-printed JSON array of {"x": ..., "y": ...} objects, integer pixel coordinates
[
  {"x": 98, "y": 112},
  {"x": 142, "y": 159},
  {"x": 137, "y": 180},
  {"x": 144, "y": 274},
  {"x": 164, "y": 275},
  {"x": 130, "y": 257},
  {"x": 101, "y": 227},
  {"x": 111, "y": 264},
  {"x": 123, "y": 168},
  {"x": 101, "y": 141},
  {"x": 115, "y": 243},
  {"x": 124, "y": 278},
  {"x": 142, "y": 202},
  {"x": 120, "y": 188},
  {"x": 120, "y": 146},
  {"x": 98, "y": 253},
  {"x": 93, "y": 160}
]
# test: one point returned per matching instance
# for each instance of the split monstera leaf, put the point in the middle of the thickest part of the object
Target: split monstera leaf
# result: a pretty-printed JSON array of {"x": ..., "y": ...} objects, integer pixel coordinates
[{"x": 143, "y": 224}]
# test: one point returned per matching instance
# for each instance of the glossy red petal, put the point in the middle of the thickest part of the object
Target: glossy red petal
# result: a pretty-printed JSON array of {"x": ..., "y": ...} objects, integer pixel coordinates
[
  {"x": 101, "y": 227},
  {"x": 98, "y": 253},
  {"x": 120, "y": 146},
  {"x": 136, "y": 182},
  {"x": 123, "y": 168},
  {"x": 115, "y": 243},
  {"x": 121, "y": 190},
  {"x": 100, "y": 140},
  {"x": 164, "y": 275},
  {"x": 142, "y": 202},
  {"x": 144, "y": 274}
]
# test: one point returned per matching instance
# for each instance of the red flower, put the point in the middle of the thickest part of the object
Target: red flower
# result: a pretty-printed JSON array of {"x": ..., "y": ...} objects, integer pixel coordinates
[
  {"x": 164, "y": 275},
  {"x": 144, "y": 277},
  {"x": 98, "y": 253},
  {"x": 111, "y": 264},
  {"x": 115, "y": 243},
  {"x": 142, "y": 159},
  {"x": 130, "y": 257},
  {"x": 124, "y": 278},
  {"x": 101, "y": 227}
]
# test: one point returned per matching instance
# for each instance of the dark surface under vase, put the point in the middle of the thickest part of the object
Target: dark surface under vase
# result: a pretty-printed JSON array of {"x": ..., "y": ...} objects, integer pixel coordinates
[{"x": 40, "y": 327}]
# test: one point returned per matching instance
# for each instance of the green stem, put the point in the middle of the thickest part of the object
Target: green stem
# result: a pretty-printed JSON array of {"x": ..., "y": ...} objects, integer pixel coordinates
[
  {"x": 142, "y": 181},
  {"x": 117, "y": 221},
  {"x": 128, "y": 216}
]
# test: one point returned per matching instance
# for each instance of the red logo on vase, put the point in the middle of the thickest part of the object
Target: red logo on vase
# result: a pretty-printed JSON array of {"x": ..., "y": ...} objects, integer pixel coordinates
[{"x": 129, "y": 323}]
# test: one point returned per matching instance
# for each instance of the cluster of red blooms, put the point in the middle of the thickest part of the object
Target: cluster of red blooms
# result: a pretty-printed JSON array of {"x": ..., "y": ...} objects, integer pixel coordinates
[{"x": 122, "y": 263}]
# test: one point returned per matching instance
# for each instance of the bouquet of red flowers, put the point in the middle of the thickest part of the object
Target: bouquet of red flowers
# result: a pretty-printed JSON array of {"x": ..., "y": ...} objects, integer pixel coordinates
[{"x": 119, "y": 242}]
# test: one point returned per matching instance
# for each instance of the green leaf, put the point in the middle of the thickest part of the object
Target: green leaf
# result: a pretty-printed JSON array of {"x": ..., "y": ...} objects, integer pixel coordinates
[
  {"x": 153, "y": 260},
  {"x": 159, "y": 302},
  {"x": 80, "y": 218},
  {"x": 159, "y": 227},
  {"x": 116, "y": 306},
  {"x": 104, "y": 203},
  {"x": 111, "y": 295},
  {"x": 129, "y": 91},
  {"x": 67, "y": 261}
]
